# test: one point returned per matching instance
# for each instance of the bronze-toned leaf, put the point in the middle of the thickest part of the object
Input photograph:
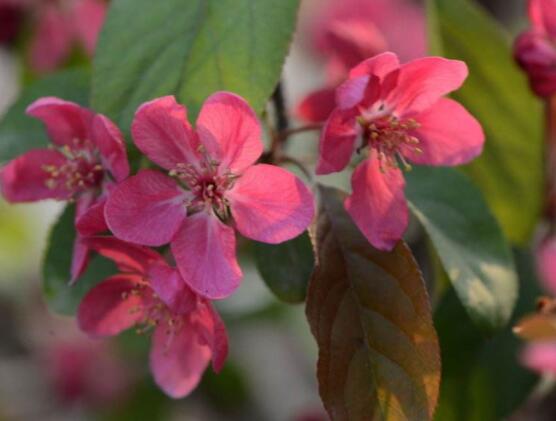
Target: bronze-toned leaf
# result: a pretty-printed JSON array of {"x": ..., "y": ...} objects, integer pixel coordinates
[{"x": 370, "y": 314}]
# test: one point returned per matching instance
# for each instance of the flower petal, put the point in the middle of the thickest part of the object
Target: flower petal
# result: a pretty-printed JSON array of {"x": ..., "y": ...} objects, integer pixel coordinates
[
  {"x": 540, "y": 357},
  {"x": 25, "y": 178},
  {"x": 147, "y": 208},
  {"x": 178, "y": 361},
  {"x": 205, "y": 253},
  {"x": 448, "y": 135},
  {"x": 161, "y": 131},
  {"x": 317, "y": 106},
  {"x": 128, "y": 257},
  {"x": 67, "y": 123},
  {"x": 51, "y": 44},
  {"x": 230, "y": 131},
  {"x": 88, "y": 17},
  {"x": 111, "y": 306},
  {"x": 337, "y": 141},
  {"x": 111, "y": 144},
  {"x": 546, "y": 263},
  {"x": 379, "y": 66},
  {"x": 79, "y": 259},
  {"x": 91, "y": 221},
  {"x": 377, "y": 204},
  {"x": 543, "y": 16},
  {"x": 270, "y": 204},
  {"x": 213, "y": 331},
  {"x": 424, "y": 81},
  {"x": 168, "y": 284}
]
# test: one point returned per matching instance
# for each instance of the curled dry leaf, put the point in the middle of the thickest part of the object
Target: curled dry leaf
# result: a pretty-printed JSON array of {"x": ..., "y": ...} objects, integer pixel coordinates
[{"x": 370, "y": 314}]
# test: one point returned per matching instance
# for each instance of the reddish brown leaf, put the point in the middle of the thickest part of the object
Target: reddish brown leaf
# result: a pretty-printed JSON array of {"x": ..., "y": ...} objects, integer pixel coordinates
[{"x": 370, "y": 314}]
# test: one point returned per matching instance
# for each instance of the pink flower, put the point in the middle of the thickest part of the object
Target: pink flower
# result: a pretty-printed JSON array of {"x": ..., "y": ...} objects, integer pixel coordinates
[
  {"x": 213, "y": 183},
  {"x": 540, "y": 357},
  {"x": 88, "y": 154},
  {"x": 535, "y": 49},
  {"x": 61, "y": 24},
  {"x": 349, "y": 31},
  {"x": 546, "y": 263},
  {"x": 398, "y": 113},
  {"x": 149, "y": 294}
]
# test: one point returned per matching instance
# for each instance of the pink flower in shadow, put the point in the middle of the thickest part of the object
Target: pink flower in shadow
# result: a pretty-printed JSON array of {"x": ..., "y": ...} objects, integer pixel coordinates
[
  {"x": 87, "y": 156},
  {"x": 398, "y": 114},
  {"x": 349, "y": 31},
  {"x": 535, "y": 49},
  {"x": 213, "y": 184},
  {"x": 61, "y": 25},
  {"x": 151, "y": 295}
]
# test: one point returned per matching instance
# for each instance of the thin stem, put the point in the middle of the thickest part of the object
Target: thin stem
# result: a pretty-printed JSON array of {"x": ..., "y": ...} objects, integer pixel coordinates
[
  {"x": 282, "y": 122},
  {"x": 550, "y": 145}
]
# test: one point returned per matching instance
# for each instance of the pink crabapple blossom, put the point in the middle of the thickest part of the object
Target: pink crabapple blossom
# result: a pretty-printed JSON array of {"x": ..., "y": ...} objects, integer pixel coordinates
[
  {"x": 60, "y": 25},
  {"x": 347, "y": 32},
  {"x": 535, "y": 49},
  {"x": 212, "y": 189},
  {"x": 546, "y": 263},
  {"x": 398, "y": 115},
  {"x": 87, "y": 156},
  {"x": 540, "y": 357},
  {"x": 151, "y": 295}
]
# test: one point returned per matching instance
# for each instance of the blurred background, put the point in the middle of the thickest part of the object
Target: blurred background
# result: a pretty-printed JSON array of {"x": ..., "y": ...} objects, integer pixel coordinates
[{"x": 50, "y": 371}]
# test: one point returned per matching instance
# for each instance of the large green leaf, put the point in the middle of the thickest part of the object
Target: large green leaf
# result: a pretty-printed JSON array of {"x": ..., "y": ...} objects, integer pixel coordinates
[
  {"x": 370, "y": 314},
  {"x": 468, "y": 241},
  {"x": 60, "y": 296},
  {"x": 510, "y": 170},
  {"x": 190, "y": 49},
  {"x": 286, "y": 267},
  {"x": 482, "y": 379},
  {"x": 18, "y": 132}
]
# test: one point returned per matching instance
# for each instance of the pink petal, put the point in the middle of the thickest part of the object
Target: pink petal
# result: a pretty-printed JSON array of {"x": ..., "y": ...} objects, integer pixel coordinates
[
  {"x": 80, "y": 258},
  {"x": 205, "y": 253},
  {"x": 230, "y": 131},
  {"x": 25, "y": 179},
  {"x": 536, "y": 54},
  {"x": 377, "y": 204},
  {"x": 51, "y": 44},
  {"x": 168, "y": 284},
  {"x": 178, "y": 361},
  {"x": 213, "y": 331},
  {"x": 424, "y": 81},
  {"x": 88, "y": 17},
  {"x": 147, "y": 208},
  {"x": 317, "y": 106},
  {"x": 378, "y": 66},
  {"x": 546, "y": 263},
  {"x": 111, "y": 144},
  {"x": 128, "y": 257},
  {"x": 111, "y": 306},
  {"x": 270, "y": 204},
  {"x": 161, "y": 131},
  {"x": 543, "y": 16},
  {"x": 67, "y": 123},
  {"x": 448, "y": 135},
  {"x": 540, "y": 357},
  {"x": 337, "y": 141},
  {"x": 92, "y": 221}
]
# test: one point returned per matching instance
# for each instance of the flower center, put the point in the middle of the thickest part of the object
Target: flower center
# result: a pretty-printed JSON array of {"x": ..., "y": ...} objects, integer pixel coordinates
[
  {"x": 391, "y": 139},
  {"x": 81, "y": 171},
  {"x": 207, "y": 184}
]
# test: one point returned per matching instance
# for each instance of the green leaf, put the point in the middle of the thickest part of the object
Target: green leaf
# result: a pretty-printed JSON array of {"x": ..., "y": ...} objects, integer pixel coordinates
[
  {"x": 468, "y": 241},
  {"x": 61, "y": 297},
  {"x": 19, "y": 132},
  {"x": 510, "y": 171},
  {"x": 370, "y": 314},
  {"x": 190, "y": 49},
  {"x": 286, "y": 267},
  {"x": 482, "y": 379}
]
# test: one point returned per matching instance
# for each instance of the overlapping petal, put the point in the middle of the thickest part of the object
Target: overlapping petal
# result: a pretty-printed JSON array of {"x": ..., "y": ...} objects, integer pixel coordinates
[
  {"x": 317, "y": 106},
  {"x": 377, "y": 204},
  {"x": 270, "y": 204},
  {"x": 230, "y": 131},
  {"x": 109, "y": 140},
  {"x": 147, "y": 208},
  {"x": 337, "y": 141},
  {"x": 205, "y": 253}
]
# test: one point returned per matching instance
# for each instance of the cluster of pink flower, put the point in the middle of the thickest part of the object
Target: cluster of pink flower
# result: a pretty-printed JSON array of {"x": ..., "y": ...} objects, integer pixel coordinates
[{"x": 394, "y": 112}]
